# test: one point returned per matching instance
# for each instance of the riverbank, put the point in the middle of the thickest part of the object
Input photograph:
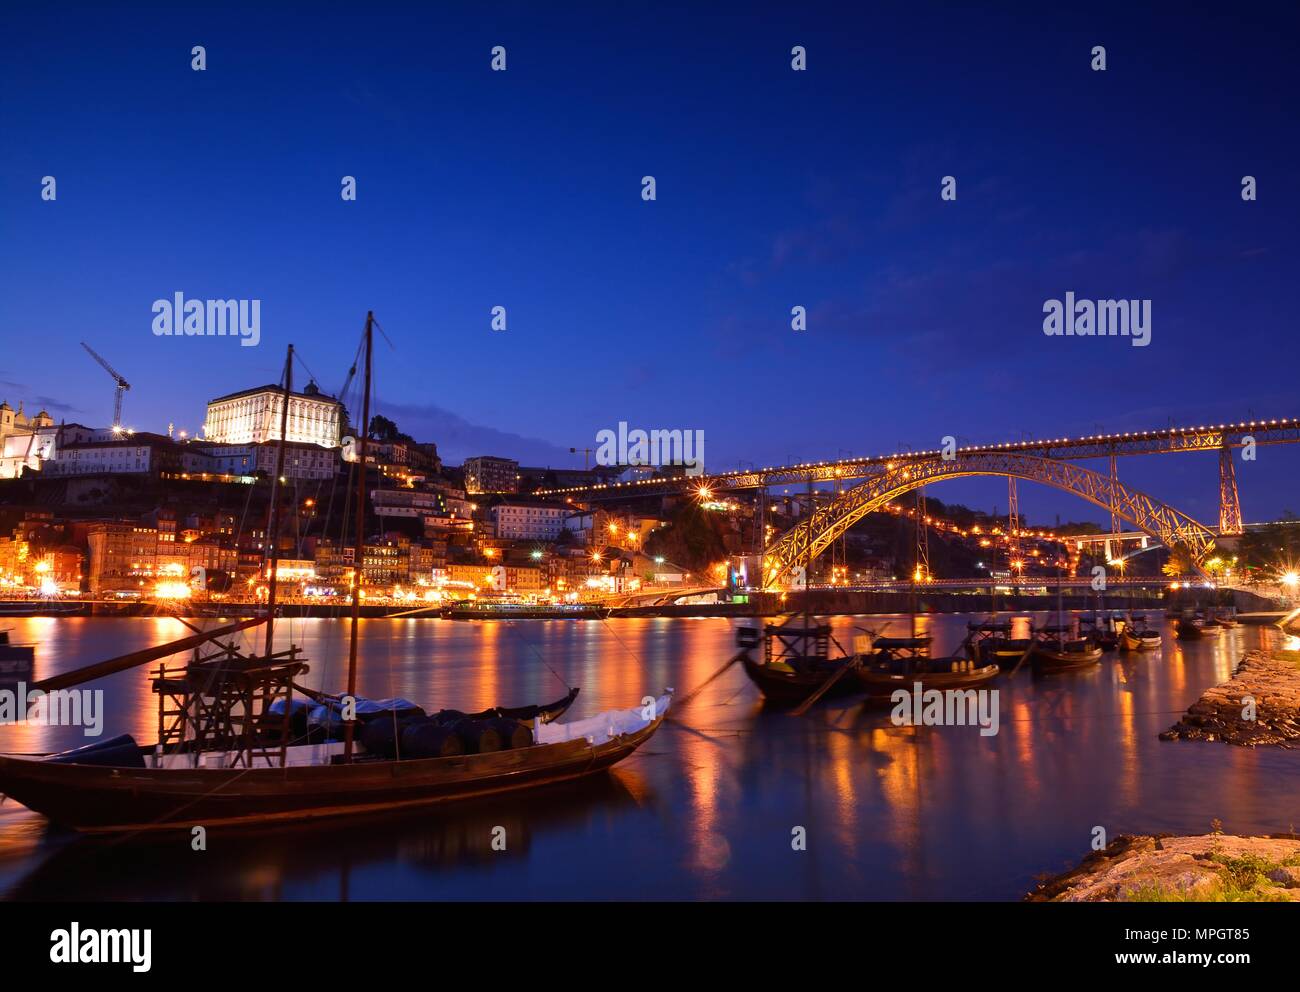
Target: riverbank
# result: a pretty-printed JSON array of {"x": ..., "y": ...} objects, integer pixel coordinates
[
  {"x": 1207, "y": 868},
  {"x": 822, "y": 602},
  {"x": 1258, "y": 706}
]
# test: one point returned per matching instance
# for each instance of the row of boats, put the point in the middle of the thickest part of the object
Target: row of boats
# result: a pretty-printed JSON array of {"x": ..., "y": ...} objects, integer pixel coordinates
[
  {"x": 795, "y": 662},
  {"x": 1195, "y": 626}
]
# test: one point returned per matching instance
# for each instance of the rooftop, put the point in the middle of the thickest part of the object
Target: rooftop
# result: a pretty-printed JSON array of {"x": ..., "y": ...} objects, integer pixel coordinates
[{"x": 310, "y": 391}]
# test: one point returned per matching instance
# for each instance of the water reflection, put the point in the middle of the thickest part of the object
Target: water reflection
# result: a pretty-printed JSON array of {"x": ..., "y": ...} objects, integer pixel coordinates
[{"x": 708, "y": 808}]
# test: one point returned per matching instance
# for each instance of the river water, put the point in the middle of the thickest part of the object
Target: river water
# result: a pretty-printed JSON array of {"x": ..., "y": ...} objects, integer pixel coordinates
[{"x": 707, "y": 809}]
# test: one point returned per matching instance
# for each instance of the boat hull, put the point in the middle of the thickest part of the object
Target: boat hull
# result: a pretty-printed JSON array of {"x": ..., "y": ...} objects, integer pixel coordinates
[
  {"x": 1195, "y": 632},
  {"x": 1128, "y": 642},
  {"x": 1046, "y": 660},
  {"x": 882, "y": 685},
  {"x": 94, "y": 799},
  {"x": 792, "y": 688}
]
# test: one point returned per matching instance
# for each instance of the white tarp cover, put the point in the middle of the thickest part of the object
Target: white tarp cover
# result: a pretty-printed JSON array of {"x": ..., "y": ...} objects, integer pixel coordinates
[{"x": 602, "y": 727}]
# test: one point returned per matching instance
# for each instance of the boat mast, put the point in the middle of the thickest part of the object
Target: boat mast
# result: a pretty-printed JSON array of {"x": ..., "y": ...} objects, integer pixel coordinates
[
  {"x": 273, "y": 512},
  {"x": 358, "y": 556}
]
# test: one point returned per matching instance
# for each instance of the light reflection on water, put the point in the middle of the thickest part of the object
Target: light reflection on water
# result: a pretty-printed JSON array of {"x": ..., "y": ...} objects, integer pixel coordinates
[{"x": 706, "y": 808}]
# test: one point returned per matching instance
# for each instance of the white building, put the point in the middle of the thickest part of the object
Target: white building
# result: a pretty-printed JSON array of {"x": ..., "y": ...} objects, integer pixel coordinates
[
  {"x": 528, "y": 521},
  {"x": 253, "y": 417},
  {"x": 142, "y": 454},
  {"x": 25, "y": 442}
]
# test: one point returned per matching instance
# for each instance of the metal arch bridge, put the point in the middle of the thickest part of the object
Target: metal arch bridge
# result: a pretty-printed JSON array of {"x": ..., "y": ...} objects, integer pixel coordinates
[
  {"x": 1221, "y": 438},
  {"x": 806, "y": 540}
]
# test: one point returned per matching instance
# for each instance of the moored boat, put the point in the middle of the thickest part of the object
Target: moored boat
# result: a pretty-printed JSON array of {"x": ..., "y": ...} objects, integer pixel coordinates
[
  {"x": 129, "y": 794},
  {"x": 1194, "y": 629},
  {"x": 1135, "y": 635},
  {"x": 1057, "y": 655},
  {"x": 796, "y": 665},
  {"x": 1100, "y": 631},
  {"x": 992, "y": 643},
  {"x": 883, "y": 676}
]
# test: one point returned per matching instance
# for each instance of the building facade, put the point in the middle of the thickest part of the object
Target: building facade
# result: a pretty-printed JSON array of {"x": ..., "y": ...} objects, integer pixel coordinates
[
  {"x": 488, "y": 474},
  {"x": 518, "y": 521},
  {"x": 253, "y": 417},
  {"x": 25, "y": 442}
]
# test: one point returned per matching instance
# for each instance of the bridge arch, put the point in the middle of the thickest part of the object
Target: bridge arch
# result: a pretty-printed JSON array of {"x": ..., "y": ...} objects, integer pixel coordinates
[{"x": 811, "y": 537}]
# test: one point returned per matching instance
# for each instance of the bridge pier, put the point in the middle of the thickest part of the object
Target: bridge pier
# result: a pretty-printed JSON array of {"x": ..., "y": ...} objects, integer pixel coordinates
[{"x": 1229, "y": 503}]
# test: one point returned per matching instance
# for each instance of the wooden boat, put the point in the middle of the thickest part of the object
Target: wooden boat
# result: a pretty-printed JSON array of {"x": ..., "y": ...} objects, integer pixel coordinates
[
  {"x": 1191, "y": 629},
  {"x": 1100, "y": 631},
  {"x": 1135, "y": 635},
  {"x": 132, "y": 796},
  {"x": 796, "y": 665},
  {"x": 992, "y": 643},
  {"x": 882, "y": 677},
  {"x": 1064, "y": 655}
]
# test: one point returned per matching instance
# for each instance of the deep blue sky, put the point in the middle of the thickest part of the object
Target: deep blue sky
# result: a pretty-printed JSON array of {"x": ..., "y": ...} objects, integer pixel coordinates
[{"x": 775, "y": 187}]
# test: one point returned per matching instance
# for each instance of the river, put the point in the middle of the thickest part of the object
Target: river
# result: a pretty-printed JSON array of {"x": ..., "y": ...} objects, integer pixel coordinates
[{"x": 708, "y": 808}]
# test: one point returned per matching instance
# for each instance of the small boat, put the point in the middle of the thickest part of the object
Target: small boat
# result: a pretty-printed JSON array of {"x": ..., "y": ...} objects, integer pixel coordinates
[
  {"x": 993, "y": 643},
  {"x": 1135, "y": 635},
  {"x": 1194, "y": 629},
  {"x": 1055, "y": 655},
  {"x": 16, "y": 660},
  {"x": 796, "y": 665},
  {"x": 1100, "y": 630},
  {"x": 882, "y": 676}
]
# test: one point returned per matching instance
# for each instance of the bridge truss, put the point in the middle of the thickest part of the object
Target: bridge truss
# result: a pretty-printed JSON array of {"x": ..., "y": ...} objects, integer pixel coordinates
[
  {"x": 806, "y": 540},
  {"x": 1220, "y": 438}
]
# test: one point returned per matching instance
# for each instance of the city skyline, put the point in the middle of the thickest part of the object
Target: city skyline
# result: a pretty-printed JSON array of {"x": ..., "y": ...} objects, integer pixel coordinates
[{"x": 775, "y": 189}]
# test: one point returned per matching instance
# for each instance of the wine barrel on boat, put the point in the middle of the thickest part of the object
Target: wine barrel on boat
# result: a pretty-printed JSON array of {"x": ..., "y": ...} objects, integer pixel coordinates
[
  {"x": 513, "y": 733},
  {"x": 478, "y": 736},
  {"x": 381, "y": 736},
  {"x": 422, "y": 738},
  {"x": 118, "y": 752}
]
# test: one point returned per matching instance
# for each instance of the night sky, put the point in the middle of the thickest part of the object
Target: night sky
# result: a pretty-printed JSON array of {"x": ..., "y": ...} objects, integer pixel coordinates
[{"x": 776, "y": 188}]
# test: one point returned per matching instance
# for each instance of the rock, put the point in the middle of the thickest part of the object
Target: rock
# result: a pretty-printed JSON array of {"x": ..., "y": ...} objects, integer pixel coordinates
[
  {"x": 1287, "y": 876},
  {"x": 1272, "y": 681},
  {"x": 1132, "y": 867}
]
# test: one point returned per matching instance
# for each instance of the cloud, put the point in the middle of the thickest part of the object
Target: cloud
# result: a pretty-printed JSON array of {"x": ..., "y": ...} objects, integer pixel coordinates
[
  {"x": 458, "y": 439},
  {"x": 32, "y": 404}
]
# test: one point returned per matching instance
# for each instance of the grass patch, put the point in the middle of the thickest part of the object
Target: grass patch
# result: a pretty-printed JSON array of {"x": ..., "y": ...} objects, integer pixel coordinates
[
  {"x": 1219, "y": 892},
  {"x": 1292, "y": 657},
  {"x": 1244, "y": 879}
]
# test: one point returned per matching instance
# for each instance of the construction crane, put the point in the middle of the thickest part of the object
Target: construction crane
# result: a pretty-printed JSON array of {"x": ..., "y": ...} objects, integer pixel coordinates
[{"x": 122, "y": 386}]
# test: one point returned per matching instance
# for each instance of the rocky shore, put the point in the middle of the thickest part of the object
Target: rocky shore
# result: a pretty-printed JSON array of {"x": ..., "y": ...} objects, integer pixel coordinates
[
  {"x": 1209, "y": 868},
  {"x": 1272, "y": 681}
]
